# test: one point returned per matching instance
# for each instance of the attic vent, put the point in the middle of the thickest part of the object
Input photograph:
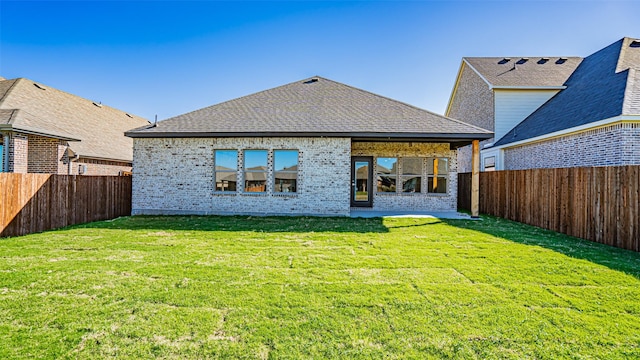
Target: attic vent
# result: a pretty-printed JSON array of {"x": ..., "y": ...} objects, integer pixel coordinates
[
  {"x": 522, "y": 61},
  {"x": 562, "y": 60},
  {"x": 39, "y": 86},
  {"x": 635, "y": 43},
  {"x": 312, "y": 80},
  {"x": 504, "y": 61},
  {"x": 129, "y": 115},
  {"x": 543, "y": 61},
  {"x": 99, "y": 104}
]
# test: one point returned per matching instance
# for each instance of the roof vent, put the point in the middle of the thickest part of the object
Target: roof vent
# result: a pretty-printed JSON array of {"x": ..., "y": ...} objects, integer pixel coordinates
[
  {"x": 129, "y": 115},
  {"x": 39, "y": 86},
  {"x": 312, "y": 80},
  {"x": 522, "y": 61},
  {"x": 504, "y": 61},
  {"x": 635, "y": 43},
  {"x": 99, "y": 104},
  {"x": 543, "y": 61},
  {"x": 562, "y": 60}
]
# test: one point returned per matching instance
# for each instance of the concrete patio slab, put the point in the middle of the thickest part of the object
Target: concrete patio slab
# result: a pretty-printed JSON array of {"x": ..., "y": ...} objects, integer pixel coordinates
[{"x": 360, "y": 213}]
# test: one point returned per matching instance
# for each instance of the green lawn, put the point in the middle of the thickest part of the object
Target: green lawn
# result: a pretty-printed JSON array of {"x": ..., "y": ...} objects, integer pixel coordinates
[{"x": 315, "y": 288}]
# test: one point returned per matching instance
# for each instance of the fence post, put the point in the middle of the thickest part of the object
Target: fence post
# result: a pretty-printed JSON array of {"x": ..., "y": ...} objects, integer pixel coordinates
[{"x": 475, "y": 178}]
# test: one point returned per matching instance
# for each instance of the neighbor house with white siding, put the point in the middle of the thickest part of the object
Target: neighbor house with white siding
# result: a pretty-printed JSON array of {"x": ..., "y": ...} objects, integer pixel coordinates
[
  {"x": 311, "y": 147},
  {"x": 553, "y": 111}
]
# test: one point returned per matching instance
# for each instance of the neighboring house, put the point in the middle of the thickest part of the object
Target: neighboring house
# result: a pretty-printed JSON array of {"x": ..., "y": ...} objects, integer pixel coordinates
[
  {"x": 553, "y": 111},
  {"x": 314, "y": 147},
  {"x": 49, "y": 131}
]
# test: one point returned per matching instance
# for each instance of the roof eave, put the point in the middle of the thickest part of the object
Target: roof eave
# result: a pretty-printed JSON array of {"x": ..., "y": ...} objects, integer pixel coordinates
[
  {"x": 528, "y": 87},
  {"x": 9, "y": 127},
  {"x": 397, "y": 136}
]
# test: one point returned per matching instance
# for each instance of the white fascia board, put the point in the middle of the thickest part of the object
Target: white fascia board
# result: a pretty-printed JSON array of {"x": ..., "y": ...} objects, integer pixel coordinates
[
  {"x": 528, "y": 87},
  {"x": 576, "y": 129}
]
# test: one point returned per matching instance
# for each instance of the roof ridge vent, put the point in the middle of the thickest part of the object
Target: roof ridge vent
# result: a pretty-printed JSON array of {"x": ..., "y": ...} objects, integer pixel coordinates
[
  {"x": 98, "y": 104},
  {"x": 561, "y": 60},
  {"x": 543, "y": 60},
  {"x": 504, "y": 61},
  {"x": 635, "y": 43},
  {"x": 39, "y": 86},
  {"x": 312, "y": 80},
  {"x": 522, "y": 60},
  {"x": 129, "y": 115}
]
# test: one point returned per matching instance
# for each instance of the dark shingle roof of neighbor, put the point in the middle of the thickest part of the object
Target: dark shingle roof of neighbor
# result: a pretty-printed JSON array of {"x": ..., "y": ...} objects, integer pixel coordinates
[
  {"x": 605, "y": 85},
  {"x": 524, "y": 72},
  {"x": 314, "y": 107},
  {"x": 95, "y": 131}
]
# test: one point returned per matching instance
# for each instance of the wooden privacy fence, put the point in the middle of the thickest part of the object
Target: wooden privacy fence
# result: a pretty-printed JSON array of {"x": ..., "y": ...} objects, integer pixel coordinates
[
  {"x": 38, "y": 202},
  {"x": 600, "y": 204}
]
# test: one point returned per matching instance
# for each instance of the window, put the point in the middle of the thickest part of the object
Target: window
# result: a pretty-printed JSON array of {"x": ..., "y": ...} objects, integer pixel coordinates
[
  {"x": 1, "y": 157},
  {"x": 386, "y": 174},
  {"x": 285, "y": 171},
  {"x": 490, "y": 163},
  {"x": 255, "y": 170},
  {"x": 226, "y": 165},
  {"x": 411, "y": 175},
  {"x": 437, "y": 175}
]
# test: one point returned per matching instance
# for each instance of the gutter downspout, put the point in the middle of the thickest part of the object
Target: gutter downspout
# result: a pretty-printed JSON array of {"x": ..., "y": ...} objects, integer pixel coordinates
[{"x": 75, "y": 158}]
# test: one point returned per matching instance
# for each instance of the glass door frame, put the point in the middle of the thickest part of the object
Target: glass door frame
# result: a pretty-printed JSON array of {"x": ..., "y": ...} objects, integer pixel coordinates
[{"x": 369, "y": 185}]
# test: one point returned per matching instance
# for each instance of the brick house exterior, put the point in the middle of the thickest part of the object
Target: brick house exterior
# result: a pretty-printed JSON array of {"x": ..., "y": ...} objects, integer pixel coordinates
[
  {"x": 44, "y": 130},
  {"x": 342, "y": 141},
  {"x": 546, "y": 117}
]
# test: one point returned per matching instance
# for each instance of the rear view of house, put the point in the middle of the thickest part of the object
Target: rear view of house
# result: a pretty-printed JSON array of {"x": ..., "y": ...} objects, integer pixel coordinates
[
  {"x": 553, "y": 111},
  {"x": 313, "y": 146},
  {"x": 45, "y": 130}
]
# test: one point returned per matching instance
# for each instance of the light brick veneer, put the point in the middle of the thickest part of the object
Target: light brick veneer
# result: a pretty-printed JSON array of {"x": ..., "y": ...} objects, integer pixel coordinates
[
  {"x": 473, "y": 103},
  {"x": 612, "y": 145},
  {"x": 413, "y": 201},
  {"x": 175, "y": 176}
]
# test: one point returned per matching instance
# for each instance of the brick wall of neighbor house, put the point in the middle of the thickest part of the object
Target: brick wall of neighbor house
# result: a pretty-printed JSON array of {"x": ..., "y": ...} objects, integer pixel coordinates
[
  {"x": 45, "y": 155},
  {"x": 612, "y": 145},
  {"x": 474, "y": 104},
  {"x": 176, "y": 176},
  {"x": 422, "y": 201},
  {"x": 18, "y": 153},
  {"x": 99, "y": 167}
]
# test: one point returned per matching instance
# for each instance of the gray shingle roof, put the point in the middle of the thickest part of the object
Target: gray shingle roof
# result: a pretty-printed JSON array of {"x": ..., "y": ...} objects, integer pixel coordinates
[
  {"x": 518, "y": 72},
  {"x": 32, "y": 107},
  {"x": 313, "y": 107},
  {"x": 604, "y": 85}
]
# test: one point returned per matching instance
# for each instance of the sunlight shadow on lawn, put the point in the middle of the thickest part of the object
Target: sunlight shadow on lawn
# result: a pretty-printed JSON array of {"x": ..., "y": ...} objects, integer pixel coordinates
[
  {"x": 626, "y": 261},
  {"x": 245, "y": 223}
]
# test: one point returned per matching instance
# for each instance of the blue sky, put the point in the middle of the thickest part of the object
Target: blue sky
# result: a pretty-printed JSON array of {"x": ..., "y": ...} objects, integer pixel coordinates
[{"x": 168, "y": 58}]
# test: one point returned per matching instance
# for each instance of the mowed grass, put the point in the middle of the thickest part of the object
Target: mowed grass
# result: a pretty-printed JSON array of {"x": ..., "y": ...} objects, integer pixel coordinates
[{"x": 315, "y": 288}]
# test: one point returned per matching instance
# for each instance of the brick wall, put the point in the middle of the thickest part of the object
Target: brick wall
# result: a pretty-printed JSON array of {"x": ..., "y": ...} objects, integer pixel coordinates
[
  {"x": 413, "y": 201},
  {"x": 99, "y": 167},
  {"x": 473, "y": 103},
  {"x": 612, "y": 145},
  {"x": 45, "y": 155},
  {"x": 18, "y": 153},
  {"x": 176, "y": 176}
]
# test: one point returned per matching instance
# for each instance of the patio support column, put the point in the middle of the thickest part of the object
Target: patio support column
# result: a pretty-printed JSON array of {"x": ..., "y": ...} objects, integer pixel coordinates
[{"x": 475, "y": 179}]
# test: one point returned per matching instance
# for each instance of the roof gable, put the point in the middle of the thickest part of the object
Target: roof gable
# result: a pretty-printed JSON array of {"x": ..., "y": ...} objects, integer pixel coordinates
[
  {"x": 33, "y": 107},
  {"x": 595, "y": 91},
  {"x": 311, "y": 107}
]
